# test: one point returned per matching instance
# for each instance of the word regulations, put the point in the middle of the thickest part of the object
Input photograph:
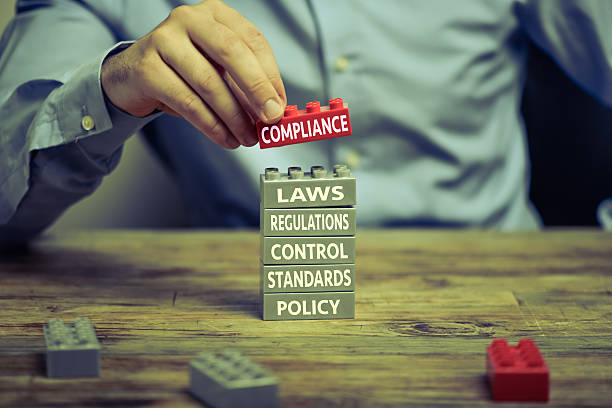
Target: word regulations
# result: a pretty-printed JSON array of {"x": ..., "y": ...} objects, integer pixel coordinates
[{"x": 308, "y": 244}]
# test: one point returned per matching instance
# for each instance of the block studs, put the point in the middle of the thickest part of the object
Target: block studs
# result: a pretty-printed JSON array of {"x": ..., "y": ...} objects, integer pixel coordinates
[
  {"x": 291, "y": 110},
  {"x": 312, "y": 107},
  {"x": 336, "y": 103},
  {"x": 295, "y": 173},
  {"x": 318, "y": 171},
  {"x": 341, "y": 170},
  {"x": 272, "y": 173}
]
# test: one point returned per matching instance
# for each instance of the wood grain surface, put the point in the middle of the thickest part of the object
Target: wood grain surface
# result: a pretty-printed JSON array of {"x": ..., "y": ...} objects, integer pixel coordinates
[{"x": 427, "y": 304}]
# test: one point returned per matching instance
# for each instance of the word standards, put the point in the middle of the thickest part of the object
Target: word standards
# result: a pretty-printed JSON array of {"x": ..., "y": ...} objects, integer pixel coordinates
[
  {"x": 298, "y": 126},
  {"x": 307, "y": 244}
]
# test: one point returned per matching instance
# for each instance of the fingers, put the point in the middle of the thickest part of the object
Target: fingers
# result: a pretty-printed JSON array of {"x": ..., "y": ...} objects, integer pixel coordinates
[
  {"x": 167, "y": 110},
  {"x": 206, "y": 81},
  {"x": 244, "y": 102},
  {"x": 254, "y": 39},
  {"x": 178, "y": 97},
  {"x": 227, "y": 48},
  {"x": 206, "y": 63}
]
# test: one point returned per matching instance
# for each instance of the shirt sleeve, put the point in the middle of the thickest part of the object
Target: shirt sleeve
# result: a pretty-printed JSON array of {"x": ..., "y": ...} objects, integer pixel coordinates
[
  {"x": 577, "y": 34},
  {"x": 59, "y": 136}
]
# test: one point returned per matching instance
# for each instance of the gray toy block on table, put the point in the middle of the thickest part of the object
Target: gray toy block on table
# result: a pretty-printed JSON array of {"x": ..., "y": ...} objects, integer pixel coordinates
[
  {"x": 296, "y": 222},
  {"x": 307, "y": 278},
  {"x": 72, "y": 350},
  {"x": 307, "y": 251},
  {"x": 308, "y": 306},
  {"x": 297, "y": 189},
  {"x": 230, "y": 380}
]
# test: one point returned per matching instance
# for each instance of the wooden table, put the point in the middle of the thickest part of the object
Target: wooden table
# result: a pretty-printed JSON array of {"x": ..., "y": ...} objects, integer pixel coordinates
[{"x": 428, "y": 303}]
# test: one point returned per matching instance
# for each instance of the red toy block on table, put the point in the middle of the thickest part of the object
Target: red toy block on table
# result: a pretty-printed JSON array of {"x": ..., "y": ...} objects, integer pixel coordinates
[
  {"x": 298, "y": 126},
  {"x": 517, "y": 373}
]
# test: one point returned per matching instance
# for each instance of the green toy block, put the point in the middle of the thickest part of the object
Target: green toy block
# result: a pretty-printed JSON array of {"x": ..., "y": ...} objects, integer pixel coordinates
[
  {"x": 308, "y": 278},
  {"x": 230, "y": 380},
  {"x": 308, "y": 306},
  {"x": 297, "y": 222},
  {"x": 297, "y": 189},
  {"x": 307, "y": 250},
  {"x": 72, "y": 349}
]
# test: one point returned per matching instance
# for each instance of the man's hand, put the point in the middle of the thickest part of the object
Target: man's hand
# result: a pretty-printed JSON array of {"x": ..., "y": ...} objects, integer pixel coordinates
[{"x": 206, "y": 63}]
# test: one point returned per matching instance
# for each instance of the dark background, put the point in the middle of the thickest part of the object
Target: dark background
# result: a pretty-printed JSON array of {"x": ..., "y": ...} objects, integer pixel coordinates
[{"x": 570, "y": 145}]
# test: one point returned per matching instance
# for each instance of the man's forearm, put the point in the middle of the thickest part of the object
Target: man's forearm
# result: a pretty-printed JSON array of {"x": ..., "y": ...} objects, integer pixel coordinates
[
  {"x": 62, "y": 175},
  {"x": 51, "y": 100}
]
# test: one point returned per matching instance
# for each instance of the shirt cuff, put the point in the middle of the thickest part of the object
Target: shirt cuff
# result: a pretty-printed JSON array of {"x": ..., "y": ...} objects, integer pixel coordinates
[
  {"x": 85, "y": 111},
  {"x": 604, "y": 214}
]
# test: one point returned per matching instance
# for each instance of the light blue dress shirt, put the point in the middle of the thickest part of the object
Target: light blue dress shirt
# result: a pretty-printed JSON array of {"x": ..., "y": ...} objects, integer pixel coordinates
[{"x": 433, "y": 87}]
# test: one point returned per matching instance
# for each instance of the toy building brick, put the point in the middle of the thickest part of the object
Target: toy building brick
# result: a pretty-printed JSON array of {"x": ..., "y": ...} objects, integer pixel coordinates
[
  {"x": 307, "y": 250},
  {"x": 298, "y": 126},
  {"x": 517, "y": 373},
  {"x": 230, "y": 380},
  {"x": 308, "y": 244},
  {"x": 72, "y": 350},
  {"x": 307, "y": 278},
  {"x": 297, "y": 189},
  {"x": 309, "y": 306},
  {"x": 301, "y": 222}
]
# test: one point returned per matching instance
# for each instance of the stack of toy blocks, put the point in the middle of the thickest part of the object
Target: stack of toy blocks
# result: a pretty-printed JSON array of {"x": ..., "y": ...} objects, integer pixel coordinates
[
  {"x": 308, "y": 244},
  {"x": 72, "y": 350},
  {"x": 230, "y": 380},
  {"x": 517, "y": 373}
]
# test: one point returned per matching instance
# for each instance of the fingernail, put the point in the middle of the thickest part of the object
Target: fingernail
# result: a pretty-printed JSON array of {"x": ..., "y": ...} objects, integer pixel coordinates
[
  {"x": 233, "y": 143},
  {"x": 272, "y": 110},
  {"x": 251, "y": 139}
]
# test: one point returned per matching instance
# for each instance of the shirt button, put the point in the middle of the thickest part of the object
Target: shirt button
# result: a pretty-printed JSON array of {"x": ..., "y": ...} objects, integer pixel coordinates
[
  {"x": 87, "y": 123},
  {"x": 341, "y": 64},
  {"x": 352, "y": 159}
]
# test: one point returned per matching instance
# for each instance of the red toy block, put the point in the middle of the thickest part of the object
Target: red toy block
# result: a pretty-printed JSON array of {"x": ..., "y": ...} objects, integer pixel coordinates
[
  {"x": 517, "y": 373},
  {"x": 299, "y": 126}
]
